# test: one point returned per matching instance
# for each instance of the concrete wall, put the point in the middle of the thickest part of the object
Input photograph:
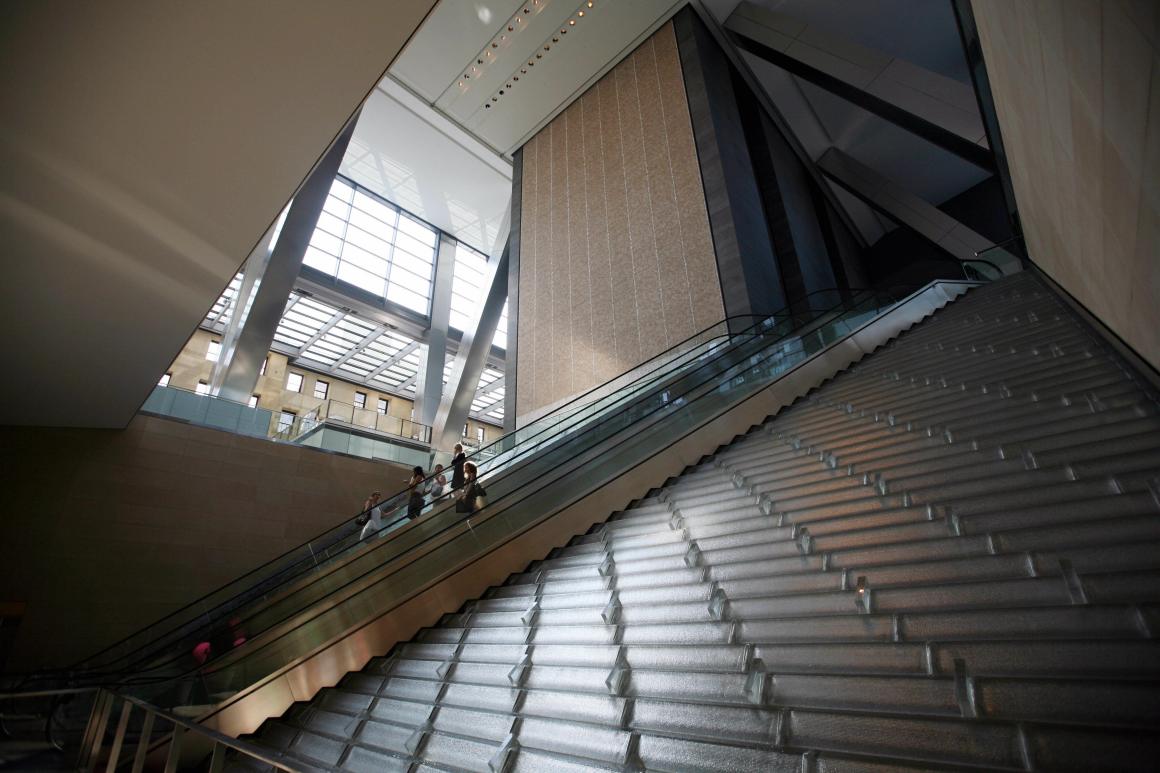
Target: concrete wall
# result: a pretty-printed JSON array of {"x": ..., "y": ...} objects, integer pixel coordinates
[
  {"x": 1077, "y": 90},
  {"x": 105, "y": 531},
  {"x": 616, "y": 257}
]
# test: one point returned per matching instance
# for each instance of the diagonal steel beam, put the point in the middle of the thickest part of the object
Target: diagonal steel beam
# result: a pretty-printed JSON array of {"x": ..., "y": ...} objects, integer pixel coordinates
[
  {"x": 281, "y": 270},
  {"x": 915, "y": 124},
  {"x": 396, "y": 357},
  {"x": 362, "y": 344},
  {"x": 474, "y": 349},
  {"x": 326, "y": 328}
]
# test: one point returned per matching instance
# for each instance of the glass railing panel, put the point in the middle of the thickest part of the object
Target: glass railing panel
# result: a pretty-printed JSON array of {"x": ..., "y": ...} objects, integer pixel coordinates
[
  {"x": 635, "y": 433},
  {"x": 208, "y": 411},
  {"x": 296, "y": 568},
  {"x": 336, "y": 543}
]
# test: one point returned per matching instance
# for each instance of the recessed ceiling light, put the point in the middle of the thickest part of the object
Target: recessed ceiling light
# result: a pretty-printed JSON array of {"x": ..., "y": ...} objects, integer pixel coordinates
[
  {"x": 572, "y": 22},
  {"x": 580, "y": 14}
]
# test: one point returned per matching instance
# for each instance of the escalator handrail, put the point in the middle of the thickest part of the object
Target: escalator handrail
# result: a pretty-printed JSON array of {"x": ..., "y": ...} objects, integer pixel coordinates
[
  {"x": 322, "y": 604},
  {"x": 639, "y": 399},
  {"x": 73, "y": 670}
]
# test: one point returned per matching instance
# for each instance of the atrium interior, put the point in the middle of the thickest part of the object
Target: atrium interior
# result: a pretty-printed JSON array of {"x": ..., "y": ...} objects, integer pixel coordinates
[{"x": 803, "y": 356}]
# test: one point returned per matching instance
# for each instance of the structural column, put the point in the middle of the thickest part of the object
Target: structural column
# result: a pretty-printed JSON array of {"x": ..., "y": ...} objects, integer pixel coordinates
[
  {"x": 429, "y": 378},
  {"x": 237, "y": 371},
  {"x": 472, "y": 355}
]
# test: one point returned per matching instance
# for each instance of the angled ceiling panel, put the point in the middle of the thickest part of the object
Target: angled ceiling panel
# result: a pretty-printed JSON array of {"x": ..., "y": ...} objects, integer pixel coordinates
[{"x": 146, "y": 149}]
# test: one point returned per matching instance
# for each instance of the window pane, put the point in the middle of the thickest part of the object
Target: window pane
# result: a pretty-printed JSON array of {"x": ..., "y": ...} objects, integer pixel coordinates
[
  {"x": 286, "y": 420},
  {"x": 416, "y": 284},
  {"x": 336, "y": 207},
  {"x": 326, "y": 242},
  {"x": 372, "y": 283},
  {"x": 214, "y": 352},
  {"x": 416, "y": 248},
  {"x": 341, "y": 190},
  {"x": 383, "y": 404},
  {"x": 320, "y": 389},
  {"x": 202, "y": 388},
  {"x": 165, "y": 380},
  {"x": 368, "y": 261},
  {"x": 294, "y": 382},
  {"x": 417, "y": 230},
  {"x": 368, "y": 242},
  {"x": 331, "y": 224},
  {"x": 372, "y": 225},
  {"x": 407, "y": 298},
  {"x": 360, "y": 400},
  {"x": 316, "y": 258},
  {"x": 253, "y": 401},
  {"x": 409, "y": 262}
]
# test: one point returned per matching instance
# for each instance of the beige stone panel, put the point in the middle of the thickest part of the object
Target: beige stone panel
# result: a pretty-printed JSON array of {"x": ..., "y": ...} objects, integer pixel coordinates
[
  {"x": 674, "y": 276},
  {"x": 1145, "y": 274},
  {"x": 525, "y": 322},
  {"x": 650, "y": 312},
  {"x": 1126, "y": 58},
  {"x": 161, "y": 512},
  {"x": 581, "y": 280},
  {"x": 692, "y": 214},
  {"x": 624, "y": 303},
  {"x": 561, "y": 276},
  {"x": 1071, "y": 83},
  {"x": 1082, "y": 238},
  {"x": 545, "y": 306},
  {"x": 599, "y": 265}
]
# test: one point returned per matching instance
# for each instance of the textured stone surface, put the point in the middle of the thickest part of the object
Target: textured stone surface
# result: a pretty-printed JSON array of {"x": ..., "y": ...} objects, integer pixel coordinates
[
  {"x": 617, "y": 260},
  {"x": 1077, "y": 90}
]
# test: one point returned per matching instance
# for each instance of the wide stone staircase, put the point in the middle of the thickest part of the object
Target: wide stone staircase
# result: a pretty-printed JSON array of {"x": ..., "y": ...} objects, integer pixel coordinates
[{"x": 947, "y": 557}]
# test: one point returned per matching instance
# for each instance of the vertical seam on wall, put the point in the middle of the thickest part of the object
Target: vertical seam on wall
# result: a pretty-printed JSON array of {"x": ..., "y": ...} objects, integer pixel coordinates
[
  {"x": 568, "y": 272},
  {"x": 551, "y": 246},
  {"x": 536, "y": 262},
  {"x": 607, "y": 234},
  {"x": 673, "y": 180},
  {"x": 627, "y": 213},
  {"x": 651, "y": 214},
  {"x": 588, "y": 257}
]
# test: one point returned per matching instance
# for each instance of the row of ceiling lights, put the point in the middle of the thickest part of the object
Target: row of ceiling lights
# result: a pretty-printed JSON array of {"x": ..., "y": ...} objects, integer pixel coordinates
[{"x": 515, "y": 24}]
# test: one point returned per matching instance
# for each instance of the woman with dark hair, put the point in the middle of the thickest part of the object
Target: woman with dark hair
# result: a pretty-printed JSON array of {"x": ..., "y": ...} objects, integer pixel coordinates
[
  {"x": 457, "y": 462},
  {"x": 415, "y": 500},
  {"x": 472, "y": 496}
]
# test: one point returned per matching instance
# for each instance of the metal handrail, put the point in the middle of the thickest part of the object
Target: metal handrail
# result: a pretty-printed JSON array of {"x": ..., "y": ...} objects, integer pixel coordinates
[
  {"x": 349, "y": 586},
  {"x": 90, "y": 752},
  {"x": 562, "y": 408}
]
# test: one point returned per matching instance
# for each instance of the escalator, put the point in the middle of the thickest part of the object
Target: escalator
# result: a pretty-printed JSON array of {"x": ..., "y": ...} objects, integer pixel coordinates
[
  {"x": 948, "y": 557},
  {"x": 301, "y": 622}
]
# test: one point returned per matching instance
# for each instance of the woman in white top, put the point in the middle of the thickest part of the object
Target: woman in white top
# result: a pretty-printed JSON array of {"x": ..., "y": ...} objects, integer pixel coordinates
[{"x": 375, "y": 516}]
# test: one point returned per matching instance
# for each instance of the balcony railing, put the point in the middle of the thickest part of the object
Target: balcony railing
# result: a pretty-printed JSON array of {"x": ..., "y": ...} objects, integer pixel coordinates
[{"x": 338, "y": 413}]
